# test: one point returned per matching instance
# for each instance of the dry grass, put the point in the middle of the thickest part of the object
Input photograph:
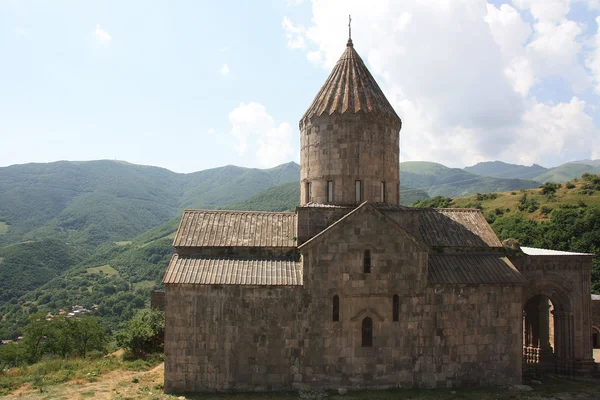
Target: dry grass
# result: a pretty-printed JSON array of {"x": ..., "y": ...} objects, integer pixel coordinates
[{"x": 3, "y": 228}]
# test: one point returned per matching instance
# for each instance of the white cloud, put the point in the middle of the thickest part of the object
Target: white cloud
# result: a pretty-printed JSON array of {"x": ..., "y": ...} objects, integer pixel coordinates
[
  {"x": 294, "y": 34},
  {"x": 593, "y": 58},
  {"x": 102, "y": 35},
  {"x": 19, "y": 31},
  {"x": 460, "y": 73},
  {"x": 553, "y": 134},
  {"x": 224, "y": 70},
  {"x": 252, "y": 126},
  {"x": 545, "y": 10}
]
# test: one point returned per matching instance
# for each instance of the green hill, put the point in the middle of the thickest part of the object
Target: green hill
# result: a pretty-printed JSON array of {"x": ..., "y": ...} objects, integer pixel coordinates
[
  {"x": 439, "y": 180},
  {"x": 499, "y": 169},
  {"x": 93, "y": 202},
  {"x": 566, "y": 172}
]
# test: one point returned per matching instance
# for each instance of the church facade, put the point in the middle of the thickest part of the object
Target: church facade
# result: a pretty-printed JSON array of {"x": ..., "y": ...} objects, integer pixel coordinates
[{"x": 353, "y": 290}]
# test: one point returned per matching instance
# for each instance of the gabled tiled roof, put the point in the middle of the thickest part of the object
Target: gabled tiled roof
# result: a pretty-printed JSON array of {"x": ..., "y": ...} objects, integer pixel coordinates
[
  {"x": 231, "y": 271},
  {"x": 456, "y": 227},
  {"x": 472, "y": 269},
  {"x": 350, "y": 88},
  {"x": 363, "y": 207},
  {"x": 210, "y": 228}
]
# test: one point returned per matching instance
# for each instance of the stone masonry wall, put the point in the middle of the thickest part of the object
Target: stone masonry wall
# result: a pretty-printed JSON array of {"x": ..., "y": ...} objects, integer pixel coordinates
[
  {"x": 445, "y": 336},
  {"x": 346, "y": 148},
  {"x": 233, "y": 338}
]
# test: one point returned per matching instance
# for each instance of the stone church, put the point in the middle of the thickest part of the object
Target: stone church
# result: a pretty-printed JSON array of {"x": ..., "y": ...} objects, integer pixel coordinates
[{"x": 353, "y": 290}]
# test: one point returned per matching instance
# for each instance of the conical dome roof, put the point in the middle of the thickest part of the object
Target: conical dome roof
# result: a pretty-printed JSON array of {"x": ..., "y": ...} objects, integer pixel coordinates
[{"x": 350, "y": 88}]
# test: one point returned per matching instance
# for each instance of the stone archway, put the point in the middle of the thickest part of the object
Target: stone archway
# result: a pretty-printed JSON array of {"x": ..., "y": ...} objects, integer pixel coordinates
[
  {"x": 595, "y": 337},
  {"x": 548, "y": 326}
]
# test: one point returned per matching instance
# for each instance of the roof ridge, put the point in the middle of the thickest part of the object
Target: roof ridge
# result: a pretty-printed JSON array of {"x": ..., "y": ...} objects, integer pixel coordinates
[{"x": 202, "y": 210}]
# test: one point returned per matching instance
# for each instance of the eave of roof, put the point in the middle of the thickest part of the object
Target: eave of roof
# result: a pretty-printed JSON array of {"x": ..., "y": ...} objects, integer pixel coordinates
[{"x": 533, "y": 251}]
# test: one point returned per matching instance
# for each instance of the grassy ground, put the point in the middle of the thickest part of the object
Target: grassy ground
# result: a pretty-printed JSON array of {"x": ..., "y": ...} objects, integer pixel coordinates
[
  {"x": 144, "y": 285},
  {"x": 124, "y": 243},
  {"x": 104, "y": 269},
  {"x": 115, "y": 379},
  {"x": 3, "y": 228},
  {"x": 51, "y": 375}
]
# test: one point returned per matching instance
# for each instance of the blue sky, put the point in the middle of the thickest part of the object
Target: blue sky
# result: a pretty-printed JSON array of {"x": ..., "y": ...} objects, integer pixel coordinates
[{"x": 190, "y": 85}]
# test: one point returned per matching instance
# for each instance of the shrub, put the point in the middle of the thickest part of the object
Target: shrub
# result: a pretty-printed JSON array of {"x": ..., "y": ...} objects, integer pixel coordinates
[
  {"x": 570, "y": 185},
  {"x": 528, "y": 204},
  {"x": 143, "y": 334},
  {"x": 546, "y": 210},
  {"x": 487, "y": 196},
  {"x": 435, "y": 202},
  {"x": 549, "y": 188}
]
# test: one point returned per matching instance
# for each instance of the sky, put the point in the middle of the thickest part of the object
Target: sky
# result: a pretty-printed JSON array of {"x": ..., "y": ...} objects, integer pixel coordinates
[{"x": 192, "y": 85}]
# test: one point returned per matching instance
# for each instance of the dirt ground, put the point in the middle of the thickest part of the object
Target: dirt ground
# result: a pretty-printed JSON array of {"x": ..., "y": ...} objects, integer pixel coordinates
[
  {"x": 112, "y": 385},
  {"x": 148, "y": 385}
]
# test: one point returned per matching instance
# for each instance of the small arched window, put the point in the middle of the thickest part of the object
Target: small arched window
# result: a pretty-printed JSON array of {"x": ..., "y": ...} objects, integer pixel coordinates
[
  {"x": 395, "y": 308},
  {"x": 336, "y": 308},
  {"x": 367, "y": 332},
  {"x": 367, "y": 262}
]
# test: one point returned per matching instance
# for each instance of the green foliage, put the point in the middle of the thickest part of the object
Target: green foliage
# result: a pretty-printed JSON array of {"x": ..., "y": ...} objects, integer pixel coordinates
[
  {"x": 569, "y": 228},
  {"x": 55, "y": 336},
  {"x": 278, "y": 198},
  {"x": 27, "y": 266},
  {"x": 486, "y": 196},
  {"x": 528, "y": 204},
  {"x": 549, "y": 188},
  {"x": 570, "y": 185},
  {"x": 144, "y": 333},
  {"x": 436, "y": 202}
]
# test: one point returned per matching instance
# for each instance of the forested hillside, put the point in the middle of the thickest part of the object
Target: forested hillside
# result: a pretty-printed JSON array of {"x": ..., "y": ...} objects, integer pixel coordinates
[{"x": 94, "y": 202}]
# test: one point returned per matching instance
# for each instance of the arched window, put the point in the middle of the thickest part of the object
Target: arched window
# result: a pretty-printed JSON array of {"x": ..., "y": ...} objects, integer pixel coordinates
[
  {"x": 367, "y": 262},
  {"x": 395, "y": 308},
  {"x": 336, "y": 308},
  {"x": 367, "y": 332}
]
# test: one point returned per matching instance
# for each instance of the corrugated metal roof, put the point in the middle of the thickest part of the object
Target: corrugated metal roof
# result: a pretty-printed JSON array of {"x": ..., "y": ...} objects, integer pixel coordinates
[
  {"x": 210, "y": 228},
  {"x": 350, "y": 88},
  {"x": 472, "y": 268},
  {"x": 452, "y": 227},
  {"x": 230, "y": 271},
  {"x": 532, "y": 251}
]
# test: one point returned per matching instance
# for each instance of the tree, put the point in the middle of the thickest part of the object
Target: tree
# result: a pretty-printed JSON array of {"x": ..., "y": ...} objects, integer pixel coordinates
[
  {"x": 87, "y": 335},
  {"x": 144, "y": 333}
]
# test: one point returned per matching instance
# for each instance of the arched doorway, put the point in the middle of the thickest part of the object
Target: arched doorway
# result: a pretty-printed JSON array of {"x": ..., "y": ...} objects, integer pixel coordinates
[
  {"x": 538, "y": 334},
  {"x": 595, "y": 337},
  {"x": 548, "y": 334}
]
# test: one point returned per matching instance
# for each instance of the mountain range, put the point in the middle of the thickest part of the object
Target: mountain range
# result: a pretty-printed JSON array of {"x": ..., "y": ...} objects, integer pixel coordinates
[{"x": 99, "y": 232}]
